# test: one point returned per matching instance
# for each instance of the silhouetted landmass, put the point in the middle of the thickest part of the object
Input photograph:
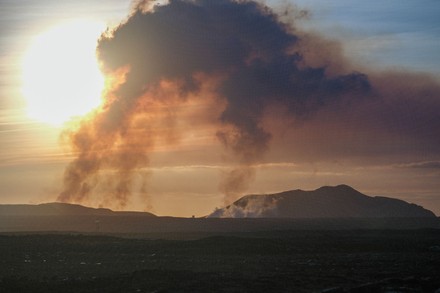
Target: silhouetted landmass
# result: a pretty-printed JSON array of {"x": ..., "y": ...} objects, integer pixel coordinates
[
  {"x": 178, "y": 228},
  {"x": 326, "y": 202},
  {"x": 328, "y": 208},
  {"x": 60, "y": 209},
  {"x": 70, "y": 248}
]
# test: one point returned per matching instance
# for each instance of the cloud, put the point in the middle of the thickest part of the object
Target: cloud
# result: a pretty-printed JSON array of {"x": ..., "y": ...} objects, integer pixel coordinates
[
  {"x": 244, "y": 62},
  {"x": 421, "y": 165}
]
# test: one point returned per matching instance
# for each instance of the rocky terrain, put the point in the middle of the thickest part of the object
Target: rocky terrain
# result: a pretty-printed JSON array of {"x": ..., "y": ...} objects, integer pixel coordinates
[{"x": 273, "y": 261}]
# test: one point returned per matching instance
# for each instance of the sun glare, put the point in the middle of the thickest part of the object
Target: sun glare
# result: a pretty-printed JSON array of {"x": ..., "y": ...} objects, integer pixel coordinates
[{"x": 61, "y": 77}]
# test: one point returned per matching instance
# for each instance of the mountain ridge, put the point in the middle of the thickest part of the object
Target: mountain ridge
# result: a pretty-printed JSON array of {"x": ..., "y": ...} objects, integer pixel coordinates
[
  {"x": 61, "y": 209},
  {"x": 340, "y": 201}
]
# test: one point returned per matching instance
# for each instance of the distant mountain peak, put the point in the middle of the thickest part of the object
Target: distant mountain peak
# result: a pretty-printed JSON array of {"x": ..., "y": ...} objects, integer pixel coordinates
[
  {"x": 341, "y": 187},
  {"x": 340, "y": 201}
]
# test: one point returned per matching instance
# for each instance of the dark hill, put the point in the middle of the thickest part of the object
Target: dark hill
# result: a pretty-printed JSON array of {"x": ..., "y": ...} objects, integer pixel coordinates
[
  {"x": 326, "y": 202},
  {"x": 60, "y": 209}
]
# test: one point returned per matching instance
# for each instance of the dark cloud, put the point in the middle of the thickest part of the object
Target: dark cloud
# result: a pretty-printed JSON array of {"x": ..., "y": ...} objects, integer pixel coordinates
[{"x": 257, "y": 62}]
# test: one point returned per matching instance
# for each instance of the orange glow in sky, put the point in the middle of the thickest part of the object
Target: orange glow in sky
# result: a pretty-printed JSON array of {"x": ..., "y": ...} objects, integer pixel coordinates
[{"x": 168, "y": 104}]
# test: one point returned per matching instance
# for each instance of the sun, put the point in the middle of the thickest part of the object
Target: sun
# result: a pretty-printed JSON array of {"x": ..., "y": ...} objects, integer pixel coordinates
[{"x": 60, "y": 73}]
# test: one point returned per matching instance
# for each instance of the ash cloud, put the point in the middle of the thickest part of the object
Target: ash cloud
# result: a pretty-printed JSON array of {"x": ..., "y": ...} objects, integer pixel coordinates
[{"x": 252, "y": 61}]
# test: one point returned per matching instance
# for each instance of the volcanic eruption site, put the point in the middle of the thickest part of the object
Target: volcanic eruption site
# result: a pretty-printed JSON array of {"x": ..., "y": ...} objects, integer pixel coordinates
[{"x": 238, "y": 59}]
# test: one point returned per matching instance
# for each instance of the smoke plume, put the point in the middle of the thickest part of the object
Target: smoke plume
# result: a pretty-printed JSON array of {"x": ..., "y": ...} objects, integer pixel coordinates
[{"x": 238, "y": 55}]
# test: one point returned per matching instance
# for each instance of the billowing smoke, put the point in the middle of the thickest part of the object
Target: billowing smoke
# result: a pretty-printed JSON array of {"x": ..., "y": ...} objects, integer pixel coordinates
[
  {"x": 239, "y": 55},
  {"x": 250, "y": 206}
]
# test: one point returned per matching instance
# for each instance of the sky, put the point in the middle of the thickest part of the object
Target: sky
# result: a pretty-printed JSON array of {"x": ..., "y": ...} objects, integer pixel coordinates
[{"x": 205, "y": 103}]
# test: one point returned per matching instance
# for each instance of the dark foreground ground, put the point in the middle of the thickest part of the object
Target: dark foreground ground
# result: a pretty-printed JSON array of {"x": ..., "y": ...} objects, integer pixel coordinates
[{"x": 279, "y": 261}]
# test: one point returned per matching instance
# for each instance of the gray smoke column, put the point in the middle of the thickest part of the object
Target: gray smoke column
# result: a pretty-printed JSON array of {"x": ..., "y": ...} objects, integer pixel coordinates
[{"x": 256, "y": 60}]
